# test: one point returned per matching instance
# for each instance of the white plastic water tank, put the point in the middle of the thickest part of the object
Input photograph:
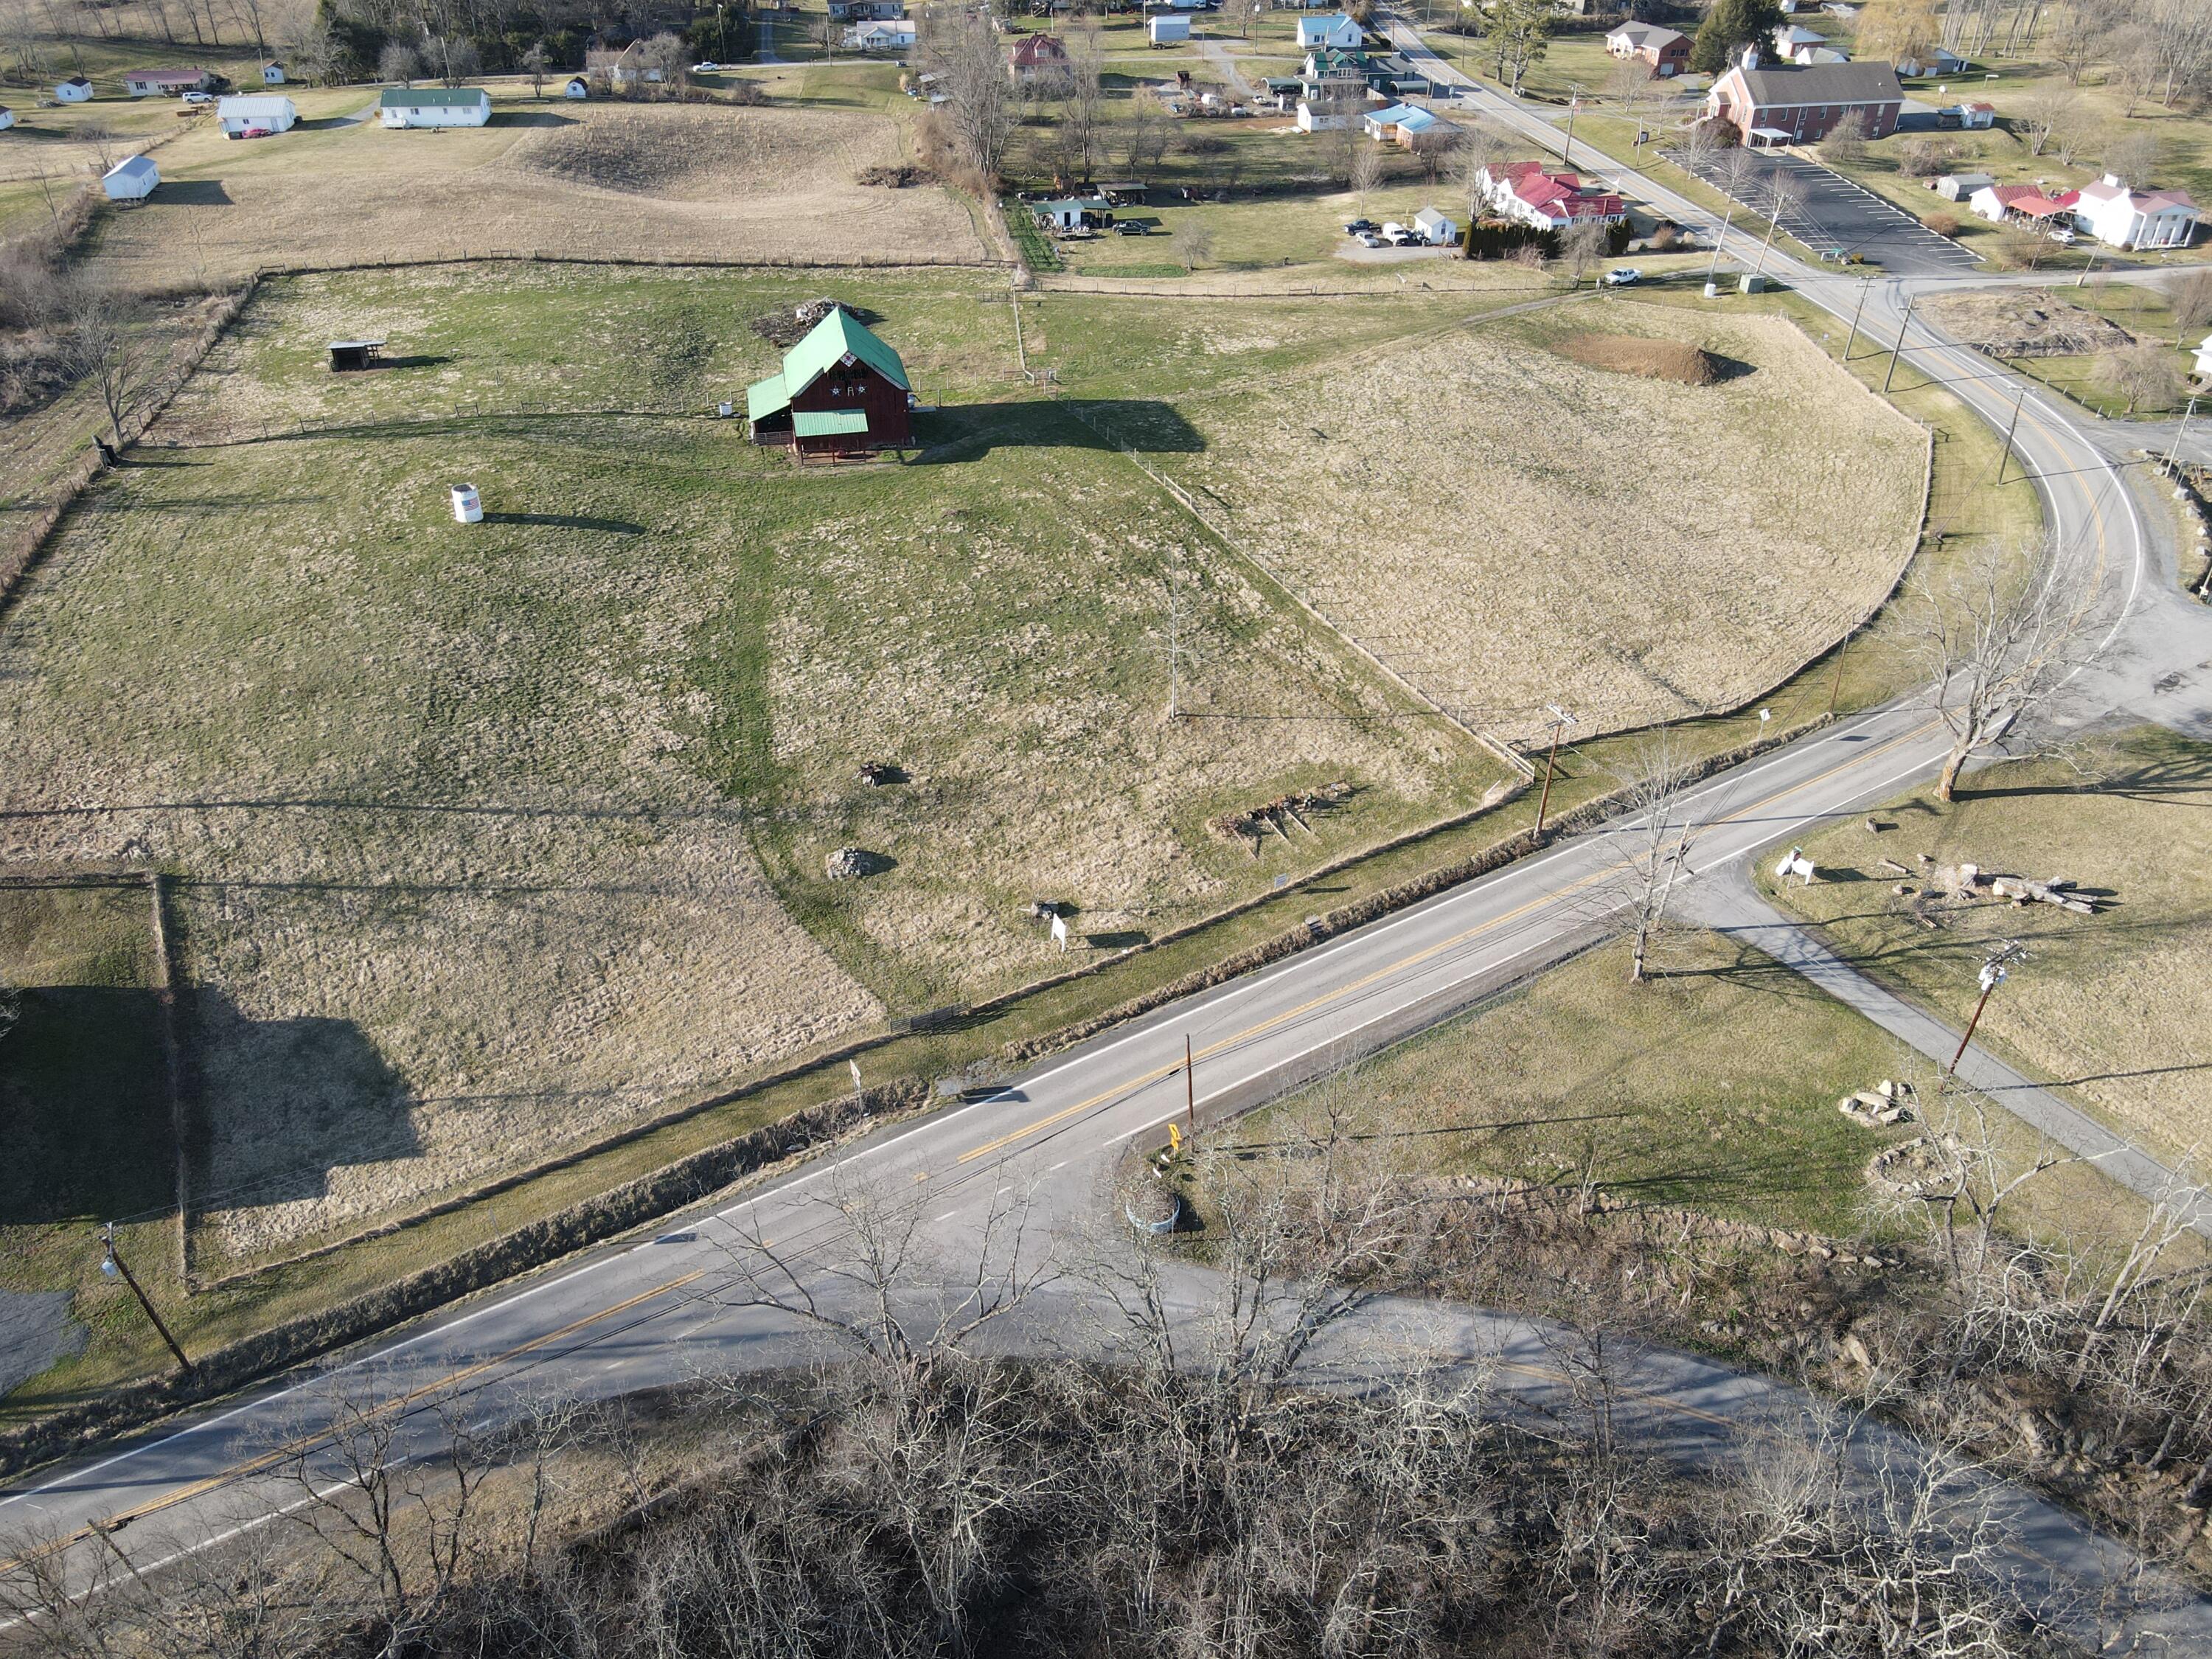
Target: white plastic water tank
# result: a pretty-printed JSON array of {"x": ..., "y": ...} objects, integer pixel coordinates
[
  {"x": 467, "y": 509},
  {"x": 725, "y": 411}
]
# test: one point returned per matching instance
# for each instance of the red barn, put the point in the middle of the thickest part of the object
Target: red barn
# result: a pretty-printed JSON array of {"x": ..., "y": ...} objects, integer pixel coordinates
[{"x": 842, "y": 391}]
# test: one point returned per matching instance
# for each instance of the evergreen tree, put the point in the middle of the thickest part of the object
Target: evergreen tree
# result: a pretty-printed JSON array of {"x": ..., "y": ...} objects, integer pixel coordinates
[{"x": 1729, "y": 26}]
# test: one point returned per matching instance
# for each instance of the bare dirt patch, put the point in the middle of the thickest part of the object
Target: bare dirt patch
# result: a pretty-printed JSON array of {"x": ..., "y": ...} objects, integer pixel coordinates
[
  {"x": 1509, "y": 527},
  {"x": 1655, "y": 359},
  {"x": 2024, "y": 322}
]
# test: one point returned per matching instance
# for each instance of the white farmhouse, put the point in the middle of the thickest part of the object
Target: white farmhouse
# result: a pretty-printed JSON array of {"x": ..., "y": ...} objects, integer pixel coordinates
[
  {"x": 884, "y": 35},
  {"x": 132, "y": 180},
  {"x": 434, "y": 106},
  {"x": 2120, "y": 217},
  {"x": 261, "y": 113},
  {"x": 1338, "y": 31}
]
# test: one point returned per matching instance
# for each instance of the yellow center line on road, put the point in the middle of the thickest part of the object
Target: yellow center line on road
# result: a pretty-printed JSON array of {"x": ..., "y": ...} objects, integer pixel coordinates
[
  {"x": 1414, "y": 961},
  {"x": 293, "y": 1448}
]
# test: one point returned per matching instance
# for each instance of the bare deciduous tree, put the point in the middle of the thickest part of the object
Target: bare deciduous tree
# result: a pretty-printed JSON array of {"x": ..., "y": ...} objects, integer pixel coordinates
[
  {"x": 1656, "y": 847},
  {"x": 1366, "y": 173},
  {"x": 1995, "y": 640},
  {"x": 106, "y": 347},
  {"x": 2048, "y": 117},
  {"x": 1193, "y": 242},
  {"x": 2143, "y": 373},
  {"x": 963, "y": 51}
]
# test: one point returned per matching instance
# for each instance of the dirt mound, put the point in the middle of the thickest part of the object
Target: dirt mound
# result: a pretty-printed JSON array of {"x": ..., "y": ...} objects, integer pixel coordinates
[
  {"x": 787, "y": 328},
  {"x": 1655, "y": 360},
  {"x": 2025, "y": 323},
  {"x": 675, "y": 152}
]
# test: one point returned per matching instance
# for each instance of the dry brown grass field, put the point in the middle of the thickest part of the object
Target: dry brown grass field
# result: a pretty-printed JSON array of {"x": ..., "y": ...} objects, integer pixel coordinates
[
  {"x": 1511, "y": 527},
  {"x": 490, "y": 840},
  {"x": 662, "y": 181}
]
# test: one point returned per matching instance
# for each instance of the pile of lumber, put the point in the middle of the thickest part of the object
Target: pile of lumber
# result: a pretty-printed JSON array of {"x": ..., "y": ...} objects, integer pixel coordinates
[{"x": 1251, "y": 825}]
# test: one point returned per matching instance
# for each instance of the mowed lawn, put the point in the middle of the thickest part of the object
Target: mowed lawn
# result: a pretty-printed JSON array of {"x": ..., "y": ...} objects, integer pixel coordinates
[
  {"x": 493, "y": 838},
  {"x": 2112, "y": 1005},
  {"x": 1711, "y": 1087}
]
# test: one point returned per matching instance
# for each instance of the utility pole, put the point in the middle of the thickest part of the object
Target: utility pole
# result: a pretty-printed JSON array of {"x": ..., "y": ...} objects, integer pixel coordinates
[
  {"x": 2174, "y": 448},
  {"x": 1574, "y": 103},
  {"x": 1902, "y": 329},
  {"x": 1836, "y": 681},
  {"x": 1560, "y": 720},
  {"x": 1865, "y": 282},
  {"x": 2005, "y": 454},
  {"x": 112, "y": 1264},
  {"x": 1993, "y": 974}
]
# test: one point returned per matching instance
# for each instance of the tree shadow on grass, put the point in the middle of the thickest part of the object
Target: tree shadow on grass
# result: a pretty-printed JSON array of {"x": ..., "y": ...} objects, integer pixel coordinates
[{"x": 964, "y": 432}]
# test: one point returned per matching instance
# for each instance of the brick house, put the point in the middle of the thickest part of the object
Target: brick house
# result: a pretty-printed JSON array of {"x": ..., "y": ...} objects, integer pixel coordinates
[
  {"x": 1665, "y": 51},
  {"x": 1799, "y": 105}
]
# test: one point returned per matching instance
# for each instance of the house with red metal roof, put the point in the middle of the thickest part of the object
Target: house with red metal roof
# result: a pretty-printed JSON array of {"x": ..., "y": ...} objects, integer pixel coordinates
[
  {"x": 169, "y": 82},
  {"x": 1038, "y": 59},
  {"x": 2023, "y": 204},
  {"x": 1524, "y": 191}
]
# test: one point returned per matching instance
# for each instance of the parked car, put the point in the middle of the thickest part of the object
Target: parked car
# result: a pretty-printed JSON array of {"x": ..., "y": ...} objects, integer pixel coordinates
[
  {"x": 1623, "y": 277},
  {"x": 707, "y": 67},
  {"x": 1359, "y": 225},
  {"x": 2060, "y": 233},
  {"x": 1399, "y": 236},
  {"x": 1129, "y": 227},
  {"x": 1369, "y": 239},
  {"x": 199, "y": 98}
]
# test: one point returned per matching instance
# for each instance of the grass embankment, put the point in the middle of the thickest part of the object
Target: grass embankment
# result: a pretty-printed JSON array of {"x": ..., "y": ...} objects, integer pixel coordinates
[{"x": 2108, "y": 1006}]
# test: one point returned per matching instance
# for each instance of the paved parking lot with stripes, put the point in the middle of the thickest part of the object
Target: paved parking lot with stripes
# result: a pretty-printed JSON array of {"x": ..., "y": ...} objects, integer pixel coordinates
[{"x": 1837, "y": 216}]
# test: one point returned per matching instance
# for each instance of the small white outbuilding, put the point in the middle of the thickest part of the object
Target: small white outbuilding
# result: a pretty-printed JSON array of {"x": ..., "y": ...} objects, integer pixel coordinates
[
  {"x": 577, "y": 88},
  {"x": 264, "y": 114},
  {"x": 272, "y": 74},
  {"x": 7, "y": 117},
  {"x": 132, "y": 180},
  {"x": 75, "y": 90},
  {"x": 1437, "y": 228}
]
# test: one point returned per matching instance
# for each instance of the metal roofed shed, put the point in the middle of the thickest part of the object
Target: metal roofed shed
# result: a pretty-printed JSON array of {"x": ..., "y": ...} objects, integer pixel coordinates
[
  {"x": 132, "y": 180},
  {"x": 348, "y": 355}
]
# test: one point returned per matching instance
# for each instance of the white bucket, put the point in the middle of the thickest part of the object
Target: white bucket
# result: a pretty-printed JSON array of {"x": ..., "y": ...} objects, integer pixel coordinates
[
  {"x": 1712, "y": 291},
  {"x": 467, "y": 509}
]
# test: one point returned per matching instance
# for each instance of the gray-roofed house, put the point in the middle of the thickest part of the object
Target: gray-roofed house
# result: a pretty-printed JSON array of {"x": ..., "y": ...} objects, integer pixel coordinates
[
  {"x": 1804, "y": 103},
  {"x": 434, "y": 106}
]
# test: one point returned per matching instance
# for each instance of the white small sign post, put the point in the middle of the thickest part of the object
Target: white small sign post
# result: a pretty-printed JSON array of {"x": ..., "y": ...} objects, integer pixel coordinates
[
  {"x": 1060, "y": 932},
  {"x": 858, "y": 1087}
]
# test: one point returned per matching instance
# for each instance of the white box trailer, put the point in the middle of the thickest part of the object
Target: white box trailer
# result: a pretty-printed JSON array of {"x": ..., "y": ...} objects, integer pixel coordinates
[{"x": 1166, "y": 31}]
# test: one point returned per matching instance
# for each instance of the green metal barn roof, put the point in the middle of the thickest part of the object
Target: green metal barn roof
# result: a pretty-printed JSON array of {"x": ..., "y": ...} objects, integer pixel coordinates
[
  {"x": 764, "y": 397},
  {"x": 832, "y": 338}
]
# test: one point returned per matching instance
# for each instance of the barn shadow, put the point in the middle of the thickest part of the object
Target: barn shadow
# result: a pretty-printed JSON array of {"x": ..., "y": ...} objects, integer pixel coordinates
[
  {"x": 960, "y": 432},
  {"x": 316, "y": 1092},
  {"x": 195, "y": 193},
  {"x": 84, "y": 1106},
  {"x": 534, "y": 118}
]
